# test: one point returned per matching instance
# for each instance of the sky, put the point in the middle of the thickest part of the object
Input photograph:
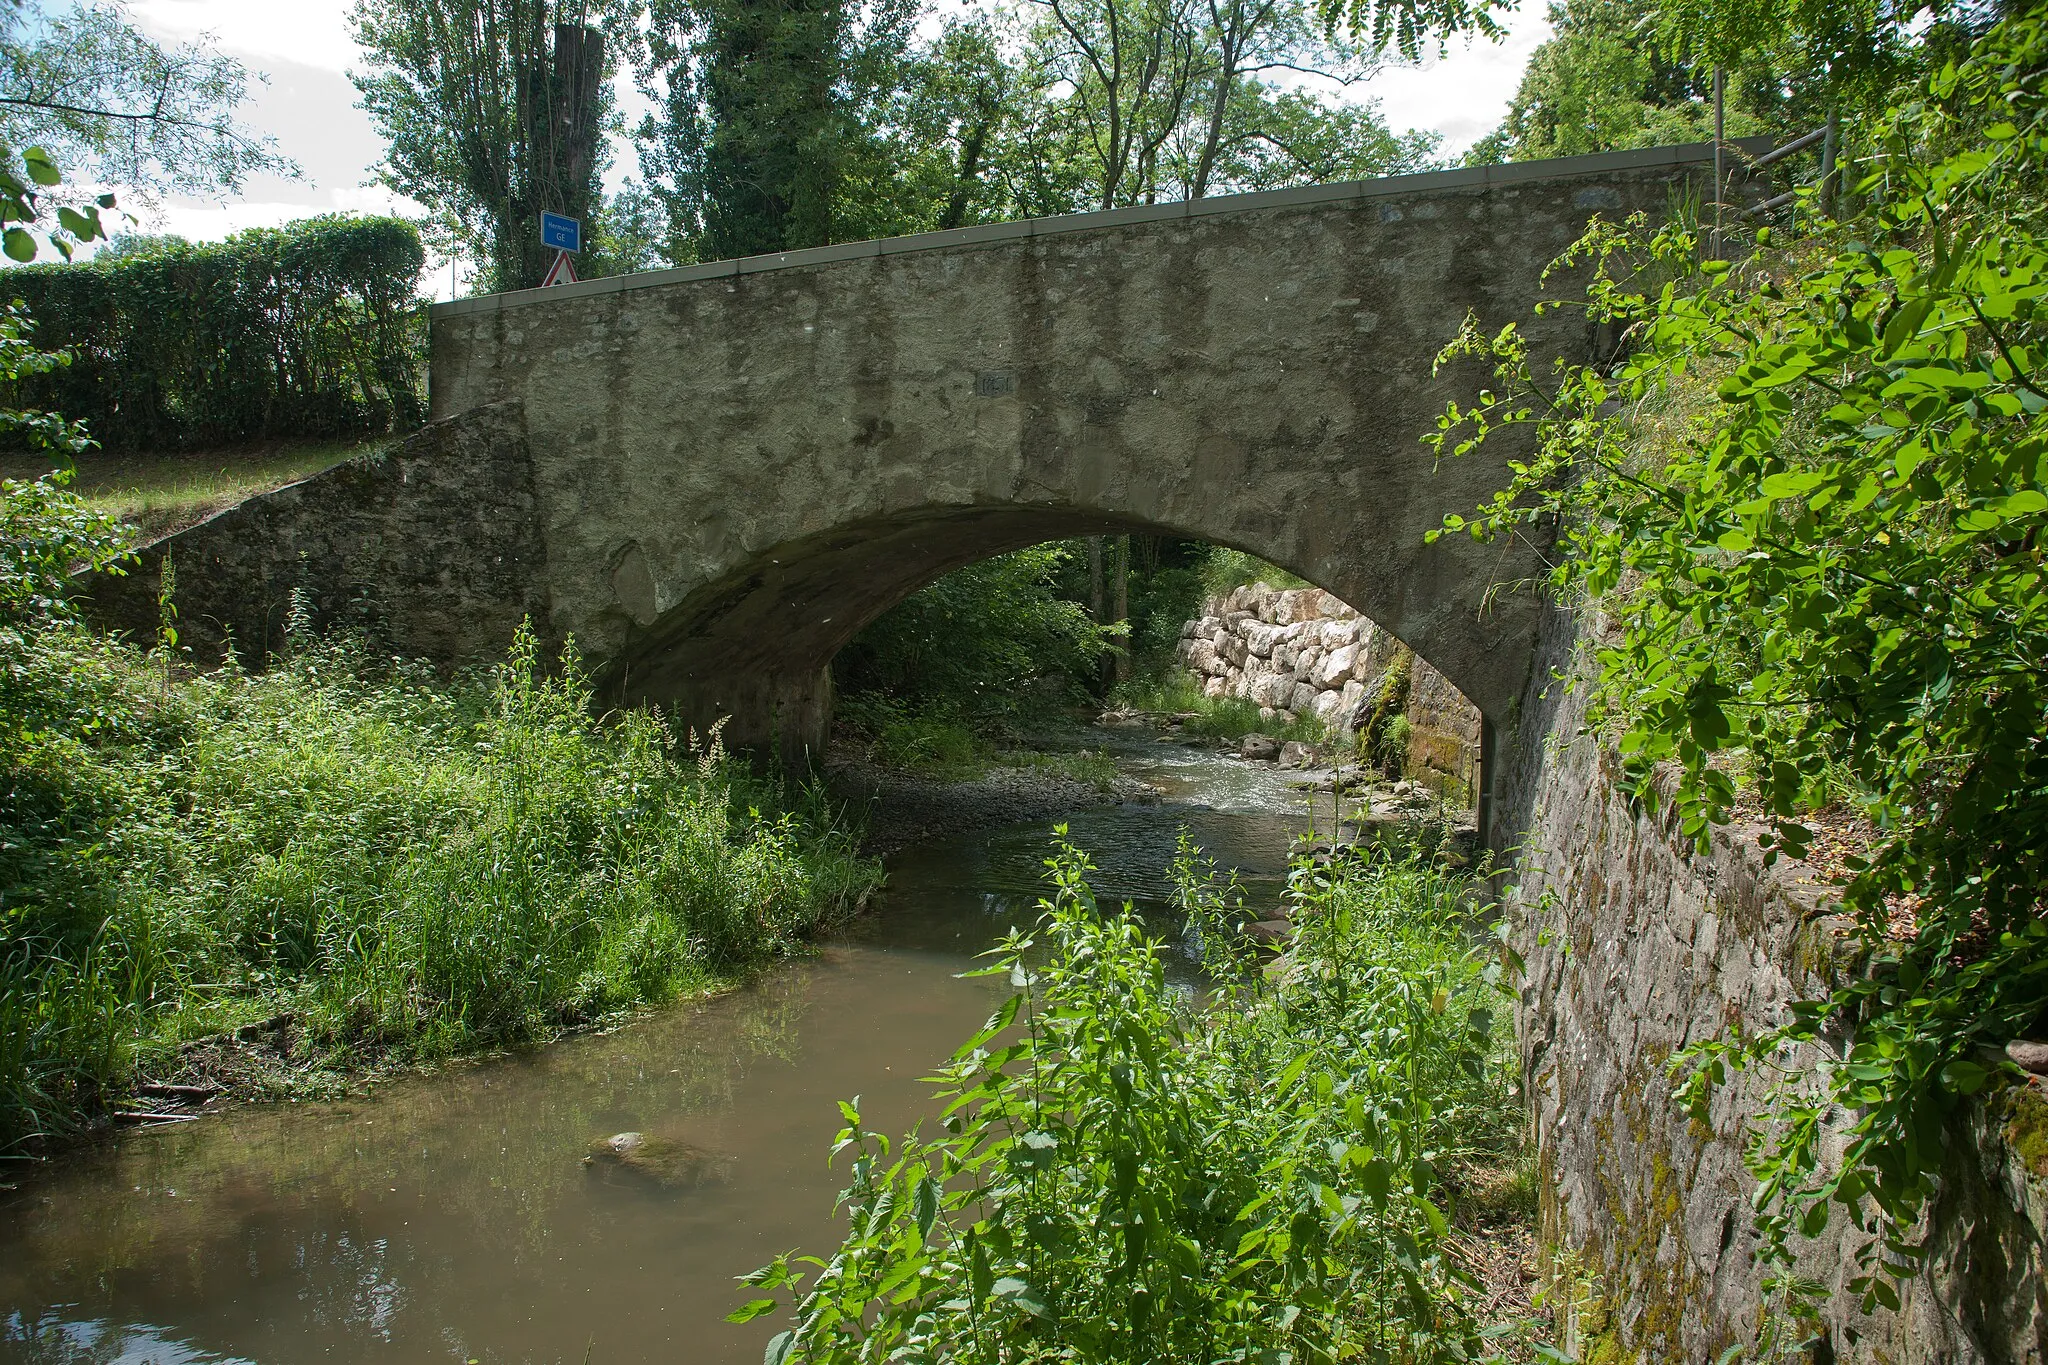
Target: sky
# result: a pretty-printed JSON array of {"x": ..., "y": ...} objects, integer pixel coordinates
[{"x": 308, "y": 105}]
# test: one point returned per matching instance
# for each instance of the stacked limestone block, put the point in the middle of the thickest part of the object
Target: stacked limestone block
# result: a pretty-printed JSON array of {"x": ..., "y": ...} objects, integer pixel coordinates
[{"x": 1303, "y": 651}]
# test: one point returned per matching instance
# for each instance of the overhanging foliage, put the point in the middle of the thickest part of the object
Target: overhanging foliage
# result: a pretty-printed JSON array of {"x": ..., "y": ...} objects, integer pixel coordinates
[{"x": 1831, "y": 588}]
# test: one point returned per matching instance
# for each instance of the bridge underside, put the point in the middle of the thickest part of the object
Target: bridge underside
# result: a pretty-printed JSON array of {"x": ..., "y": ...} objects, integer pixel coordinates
[{"x": 754, "y": 647}]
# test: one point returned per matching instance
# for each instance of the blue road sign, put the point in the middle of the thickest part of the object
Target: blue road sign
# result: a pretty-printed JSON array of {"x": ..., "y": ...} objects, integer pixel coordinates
[{"x": 563, "y": 234}]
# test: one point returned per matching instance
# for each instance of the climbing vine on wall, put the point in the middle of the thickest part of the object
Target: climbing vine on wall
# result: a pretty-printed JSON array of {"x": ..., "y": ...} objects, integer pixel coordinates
[
  {"x": 1830, "y": 587},
  {"x": 314, "y": 330}
]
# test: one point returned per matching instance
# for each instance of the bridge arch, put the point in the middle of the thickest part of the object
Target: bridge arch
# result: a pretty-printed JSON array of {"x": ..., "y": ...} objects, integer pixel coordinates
[
  {"x": 754, "y": 646},
  {"x": 712, "y": 477},
  {"x": 739, "y": 464}
]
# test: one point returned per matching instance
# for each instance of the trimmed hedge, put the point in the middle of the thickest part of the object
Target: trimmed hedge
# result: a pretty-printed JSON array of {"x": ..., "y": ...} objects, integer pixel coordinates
[{"x": 316, "y": 329}]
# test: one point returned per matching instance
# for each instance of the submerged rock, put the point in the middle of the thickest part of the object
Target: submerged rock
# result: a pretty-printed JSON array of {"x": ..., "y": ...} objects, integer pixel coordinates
[
  {"x": 1295, "y": 754},
  {"x": 667, "y": 1162}
]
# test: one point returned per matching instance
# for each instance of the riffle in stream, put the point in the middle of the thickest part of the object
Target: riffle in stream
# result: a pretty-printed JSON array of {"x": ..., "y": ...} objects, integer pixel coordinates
[{"x": 452, "y": 1216}]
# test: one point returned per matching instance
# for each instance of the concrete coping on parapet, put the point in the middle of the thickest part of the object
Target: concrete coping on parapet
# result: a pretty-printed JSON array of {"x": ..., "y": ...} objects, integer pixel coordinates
[{"x": 1388, "y": 187}]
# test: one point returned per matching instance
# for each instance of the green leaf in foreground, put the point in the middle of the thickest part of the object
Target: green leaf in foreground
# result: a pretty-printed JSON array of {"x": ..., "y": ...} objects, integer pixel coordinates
[{"x": 1829, "y": 590}]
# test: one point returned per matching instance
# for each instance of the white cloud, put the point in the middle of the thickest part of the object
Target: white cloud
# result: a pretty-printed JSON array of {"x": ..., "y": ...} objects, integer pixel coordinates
[
  {"x": 202, "y": 222},
  {"x": 310, "y": 32},
  {"x": 1465, "y": 93}
]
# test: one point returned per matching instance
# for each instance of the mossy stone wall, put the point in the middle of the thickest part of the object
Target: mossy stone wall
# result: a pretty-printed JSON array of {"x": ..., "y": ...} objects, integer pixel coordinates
[{"x": 1635, "y": 946}]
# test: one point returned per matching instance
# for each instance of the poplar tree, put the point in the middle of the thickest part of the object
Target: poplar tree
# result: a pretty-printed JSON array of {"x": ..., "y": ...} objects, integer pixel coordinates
[
  {"x": 493, "y": 111},
  {"x": 769, "y": 110}
]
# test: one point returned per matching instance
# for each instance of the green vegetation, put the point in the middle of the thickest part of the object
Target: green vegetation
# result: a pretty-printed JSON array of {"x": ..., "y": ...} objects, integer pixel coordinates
[
  {"x": 1128, "y": 1172},
  {"x": 1829, "y": 588},
  {"x": 945, "y": 682},
  {"x": 158, "y": 494},
  {"x": 1224, "y": 569},
  {"x": 777, "y": 128},
  {"x": 950, "y": 681},
  {"x": 308, "y": 331},
  {"x": 493, "y": 112},
  {"x": 1179, "y": 693},
  {"x": 816, "y": 123},
  {"x": 990, "y": 644},
  {"x": 934, "y": 742},
  {"x": 406, "y": 868},
  {"x": 1618, "y": 74},
  {"x": 87, "y": 88},
  {"x": 1383, "y": 739}
]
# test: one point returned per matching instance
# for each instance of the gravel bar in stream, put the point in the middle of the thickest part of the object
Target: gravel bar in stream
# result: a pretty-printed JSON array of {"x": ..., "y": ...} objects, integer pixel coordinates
[{"x": 898, "y": 809}]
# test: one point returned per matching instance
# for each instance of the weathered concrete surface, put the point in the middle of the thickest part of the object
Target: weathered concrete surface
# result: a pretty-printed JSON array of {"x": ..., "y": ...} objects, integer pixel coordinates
[
  {"x": 740, "y": 465},
  {"x": 434, "y": 545},
  {"x": 1636, "y": 946}
]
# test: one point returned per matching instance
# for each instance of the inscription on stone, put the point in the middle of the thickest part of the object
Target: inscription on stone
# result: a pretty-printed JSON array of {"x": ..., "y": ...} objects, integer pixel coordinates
[{"x": 995, "y": 383}]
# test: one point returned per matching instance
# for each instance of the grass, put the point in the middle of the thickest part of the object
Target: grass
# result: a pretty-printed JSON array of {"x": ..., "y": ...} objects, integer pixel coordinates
[
  {"x": 1098, "y": 770},
  {"x": 934, "y": 740},
  {"x": 159, "y": 494},
  {"x": 1226, "y": 569},
  {"x": 403, "y": 869},
  {"x": 1179, "y": 693}
]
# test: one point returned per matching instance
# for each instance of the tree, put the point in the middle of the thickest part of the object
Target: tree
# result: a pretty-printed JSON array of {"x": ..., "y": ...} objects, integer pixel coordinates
[
  {"x": 1407, "y": 26},
  {"x": 1605, "y": 81},
  {"x": 120, "y": 109},
  {"x": 1246, "y": 40},
  {"x": 1135, "y": 68},
  {"x": 494, "y": 112},
  {"x": 954, "y": 127},
  {"x": 767, "y": 112},
  {"x": 1852, "y": 53},
  {"x": 1276, "y": 138},
  {"x": 788, "y": 127},
  {"x": 1619, "y": 74}
]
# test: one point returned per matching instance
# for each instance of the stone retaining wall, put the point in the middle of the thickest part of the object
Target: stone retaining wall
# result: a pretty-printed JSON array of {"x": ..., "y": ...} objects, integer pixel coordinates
[
  {"x": 1636, "y": 945},
  {"x": 1302, "y": 651},
  {"x": 434, "y": 546}
]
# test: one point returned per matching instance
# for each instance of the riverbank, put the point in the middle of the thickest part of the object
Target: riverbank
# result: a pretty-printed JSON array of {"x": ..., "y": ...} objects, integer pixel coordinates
[
  {"x": 262, "y": 883},
  {"x": 244, "y": 1234}
]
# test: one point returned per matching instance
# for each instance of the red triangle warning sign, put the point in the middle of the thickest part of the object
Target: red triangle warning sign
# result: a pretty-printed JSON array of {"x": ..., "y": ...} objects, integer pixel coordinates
[{"x": 563, "y": 271}]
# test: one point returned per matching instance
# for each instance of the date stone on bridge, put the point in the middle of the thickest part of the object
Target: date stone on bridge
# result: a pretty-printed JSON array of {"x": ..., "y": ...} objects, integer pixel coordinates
[{"x": 713, "y": 477}]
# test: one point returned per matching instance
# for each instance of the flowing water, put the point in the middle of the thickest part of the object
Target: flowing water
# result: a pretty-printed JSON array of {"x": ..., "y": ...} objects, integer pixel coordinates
[{"x": 450, "y": 1216}]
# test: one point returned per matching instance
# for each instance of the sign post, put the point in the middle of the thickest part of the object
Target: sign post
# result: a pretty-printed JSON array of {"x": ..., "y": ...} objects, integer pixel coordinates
[{"x": 565, "y": 235}]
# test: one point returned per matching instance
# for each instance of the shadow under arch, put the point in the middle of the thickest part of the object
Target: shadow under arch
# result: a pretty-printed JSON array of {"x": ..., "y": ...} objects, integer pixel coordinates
[{"x": 752, "y": 649}]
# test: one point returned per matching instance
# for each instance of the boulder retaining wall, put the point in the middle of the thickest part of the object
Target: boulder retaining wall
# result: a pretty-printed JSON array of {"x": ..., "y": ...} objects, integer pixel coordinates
[{"x": 1303, "y": 651}]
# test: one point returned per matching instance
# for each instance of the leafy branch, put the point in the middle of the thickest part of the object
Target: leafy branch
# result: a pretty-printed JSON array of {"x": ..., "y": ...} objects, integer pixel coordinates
[{"x": 1831, "y": 588}]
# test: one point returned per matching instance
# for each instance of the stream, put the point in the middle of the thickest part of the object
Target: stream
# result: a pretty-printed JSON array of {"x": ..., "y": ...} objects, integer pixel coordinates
[{"x": 450, "y": 1215}]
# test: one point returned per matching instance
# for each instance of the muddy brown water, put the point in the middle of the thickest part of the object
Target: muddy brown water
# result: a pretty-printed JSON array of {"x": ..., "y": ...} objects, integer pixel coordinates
[{"x": 450, "y": 1216}]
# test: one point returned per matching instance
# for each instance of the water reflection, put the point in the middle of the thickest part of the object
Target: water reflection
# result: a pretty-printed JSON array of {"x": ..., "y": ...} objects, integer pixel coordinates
[{"x": 452, "y": 1217}]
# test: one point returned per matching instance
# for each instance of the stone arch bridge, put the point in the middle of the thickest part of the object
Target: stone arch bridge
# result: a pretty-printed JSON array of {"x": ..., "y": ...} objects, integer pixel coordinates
[{"x": 713, "y": 477}]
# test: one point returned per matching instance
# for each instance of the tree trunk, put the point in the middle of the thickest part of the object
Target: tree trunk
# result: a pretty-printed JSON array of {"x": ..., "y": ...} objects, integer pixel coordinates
[
  {"x": 1121, "y": 660},
  {"x": 1098, "y": 607}
]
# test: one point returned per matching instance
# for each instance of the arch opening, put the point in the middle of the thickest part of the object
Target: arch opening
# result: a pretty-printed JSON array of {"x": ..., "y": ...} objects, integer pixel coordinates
[{"x": 755, "y": 647}]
